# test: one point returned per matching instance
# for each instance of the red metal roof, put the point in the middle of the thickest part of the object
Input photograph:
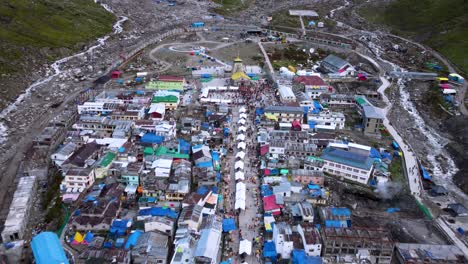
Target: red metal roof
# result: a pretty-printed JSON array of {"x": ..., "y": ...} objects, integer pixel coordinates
[
  {"x": 309, "y": 80},
  {"x": 167, "y": 78},
  {"x": 269, "y": 203}
]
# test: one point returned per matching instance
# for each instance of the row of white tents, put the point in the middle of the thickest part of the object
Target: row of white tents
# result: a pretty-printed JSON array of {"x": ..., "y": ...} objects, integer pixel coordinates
[{"x": 245, "y": 246}]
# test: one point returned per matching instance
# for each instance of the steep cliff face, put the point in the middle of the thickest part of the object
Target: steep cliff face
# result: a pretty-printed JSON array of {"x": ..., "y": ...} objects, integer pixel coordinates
[{"x": 35, "y": 32}]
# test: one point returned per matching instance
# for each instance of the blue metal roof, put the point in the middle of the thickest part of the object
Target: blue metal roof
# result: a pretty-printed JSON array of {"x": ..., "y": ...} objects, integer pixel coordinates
[
  {"x": 347, "y": 158},
  {"x": 47, "y": 249}
]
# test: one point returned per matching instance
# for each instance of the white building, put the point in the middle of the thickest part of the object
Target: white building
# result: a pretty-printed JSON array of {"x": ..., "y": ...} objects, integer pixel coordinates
[
  {"x": 63, "y": 154},
  {"x": 162, "y": 168},
  {"x": 307, "y": 212},
  {"x": 164, "y": 225},
  {"x": 286, "y": 94},
  {"x": 282, "y": 236},
  {"x": 311, "y": 240},
  {"x": 326, "y": 120},
  {"x": 78, "y": 179},
  {"x": 18, "y": 216},
  {"x": 352, "y": 163}
]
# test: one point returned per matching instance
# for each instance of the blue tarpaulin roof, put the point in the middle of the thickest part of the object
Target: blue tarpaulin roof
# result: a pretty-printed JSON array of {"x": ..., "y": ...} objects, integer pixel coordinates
[
  {"x": 374, "y": 153},
  {"x": 340, "y": 211},
  {"x": 88, "y": 237},
  {"x": 266, "y": 190},
  {"x": 215, "y": 156},
  {"x": 312, "y": 124},
  {"x": 229, "y": 224},
  {"x": 184, "y": 146},
  {"x": 205, "y": 164},
  {"x": 317, "y": 105},
  {"x": 158, "y": 211},
  {"x": 299, "y": 257},
  {"x": 132, "y": 239},
  {"x": 119, "y": 226},
  {"x": 152, "y": 138},
  {"x": 259, "y": 111},
  {"x": 338, "y": 223},
  {"x": 425, "y": 174},
  {"x": 202, "y": 190},
  {"x": 47, "y": 249},
  {"x": 312, "y": 186},
  {"x": 269, "y": 250},
  {"x": 386, "y": 155}
]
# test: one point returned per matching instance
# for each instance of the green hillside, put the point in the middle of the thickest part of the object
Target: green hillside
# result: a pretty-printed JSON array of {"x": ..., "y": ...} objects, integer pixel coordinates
[
  {"x": 30, "y": 24},
  {"x": 443, "y": 25}
]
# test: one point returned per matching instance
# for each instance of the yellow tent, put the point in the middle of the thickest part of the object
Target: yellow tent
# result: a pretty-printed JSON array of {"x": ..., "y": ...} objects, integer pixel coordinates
[
  {"x": 271, "y": 117},
  {"x": 240, "y": 76},
  {"x": 442, "y": 79},
  {"x": 78, "y": 237},
  {"x": 268, "y": 226}
]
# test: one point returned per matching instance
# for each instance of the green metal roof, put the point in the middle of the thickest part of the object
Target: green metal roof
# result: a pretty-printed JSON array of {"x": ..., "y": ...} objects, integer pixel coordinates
[
  {"x": 161, "y": 150},
  {"x": 165, "y": 85},
  {"x": 165, "y": 99},
  {"x": 148, "y": 151},
  {"x": 312, "y": 158},
  {"x": 108, "y": 158},
  {"x": 361, "y": 101}
]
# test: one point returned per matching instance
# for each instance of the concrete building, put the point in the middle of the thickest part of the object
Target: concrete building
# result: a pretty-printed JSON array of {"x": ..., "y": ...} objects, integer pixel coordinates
[
  {"x": 283, "y": 238},
  {"x": 79, "y": 179},
  {"x": 169, "y": 98},
  {"x": 313, "y": 86},
  {"x": 337, "y": 101},
  {"x": 285, "y": 114},
  {"x": 151, "y": 247},
  {"x": 310, "y": 239},
  {"x": 64, "y": 153},
  {"x": 428, "y": 254},
  {"x": 286, "y": 94},
  {"x": 341, "y": 242},
  {"x": 18, "y": 215},
  {"x": 372, "y": 118},
  {"x": 161, "y": 224},
  {"x": 307, "y": 212},
  {"x": 326, "y": 120},
  {"x": 350, "y": 164},
  {"x": 334, "y": 64},
  {"x": 209, "y": 243}
]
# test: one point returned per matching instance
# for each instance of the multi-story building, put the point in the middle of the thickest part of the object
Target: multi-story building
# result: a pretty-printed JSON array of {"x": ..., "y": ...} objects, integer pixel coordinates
[
  {"x": 352, "y": 164},
  {"x": 326, "y": 120},
  {"x": 310, "y": 239},
  {"x": 18, "y": 215},
  {"x": 372, "y": 118},
  {"x": 285, "y": 114},
  {"x": 339, "y": 242},
  {"x": 79, "y": 178},
  {"x": 169, "y": 98}
]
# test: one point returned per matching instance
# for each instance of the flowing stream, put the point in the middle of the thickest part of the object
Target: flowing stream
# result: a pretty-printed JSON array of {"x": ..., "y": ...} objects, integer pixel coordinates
[
  {"x": 442, "y": 172},
  {"x": 54, "y": 70}
]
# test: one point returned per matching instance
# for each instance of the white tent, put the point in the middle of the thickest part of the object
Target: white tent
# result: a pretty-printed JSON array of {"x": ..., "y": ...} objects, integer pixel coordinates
[
  {"x": 239, "y": 204},
  {"x": 239, "y": 165},
  {"x": 241, "y": 145},
  {"x": 242, "y": 128},
  {"x": 240, "y": 196},
  {"x": 240, "y": 154},
  {"x": 243, "y": 116},
  {"x": 242, "y": 110},
  {"x": 241, "y": 121},
  {"x": 240, "y": 175},
  {"x": 240, "y": 187},
  {"x": 240, "y": 137},
  {"x": 245, "y": 246}
]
